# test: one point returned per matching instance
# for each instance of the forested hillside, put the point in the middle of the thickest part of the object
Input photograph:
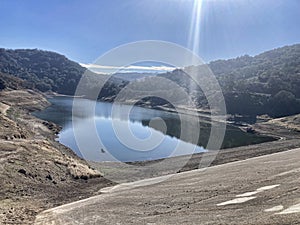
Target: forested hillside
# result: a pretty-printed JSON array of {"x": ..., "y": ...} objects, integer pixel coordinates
[
  {"x": 49, "y": 71},
  {"x": 11, "y": 82},
  {"x": 42, "y": 69},
  {"x": 269, "y": 72},
  {"x": 268, "y": 83}
]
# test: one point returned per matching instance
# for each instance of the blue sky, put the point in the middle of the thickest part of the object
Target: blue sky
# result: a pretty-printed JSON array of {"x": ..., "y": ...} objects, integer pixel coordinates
[{"x": 83, "y": 30}]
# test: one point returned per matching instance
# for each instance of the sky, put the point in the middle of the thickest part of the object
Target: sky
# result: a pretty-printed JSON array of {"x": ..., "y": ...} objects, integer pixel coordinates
[{"x": 84, "y": 30}]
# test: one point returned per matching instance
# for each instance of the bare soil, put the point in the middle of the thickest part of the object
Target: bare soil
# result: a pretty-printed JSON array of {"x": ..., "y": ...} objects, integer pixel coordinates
[{"x": 38, "y": 173}]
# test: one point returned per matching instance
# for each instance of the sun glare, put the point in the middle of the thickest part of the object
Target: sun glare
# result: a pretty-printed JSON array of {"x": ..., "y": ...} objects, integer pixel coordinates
[{"x": 194, "y": 33}]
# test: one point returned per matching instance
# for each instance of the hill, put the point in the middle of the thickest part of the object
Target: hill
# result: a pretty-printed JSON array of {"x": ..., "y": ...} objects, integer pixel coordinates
[
  {"x": 44, "y": 70},
  {"x": 268, "y": 83},
  {"x": 49, "y": 71},
  {"x": 11, "y": 82}
]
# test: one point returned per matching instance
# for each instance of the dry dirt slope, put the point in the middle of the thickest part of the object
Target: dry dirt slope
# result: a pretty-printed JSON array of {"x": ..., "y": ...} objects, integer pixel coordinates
[
  {"x": 35, "y": 171},
  {"x": 258, "y": 191}
]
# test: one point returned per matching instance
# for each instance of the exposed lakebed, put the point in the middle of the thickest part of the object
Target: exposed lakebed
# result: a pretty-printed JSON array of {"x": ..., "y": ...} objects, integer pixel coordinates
[{"x": 134, "y": 130}]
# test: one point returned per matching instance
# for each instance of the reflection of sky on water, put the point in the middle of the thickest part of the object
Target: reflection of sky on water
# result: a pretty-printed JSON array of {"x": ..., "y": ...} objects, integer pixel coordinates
[{"x": 111, "y": 146}]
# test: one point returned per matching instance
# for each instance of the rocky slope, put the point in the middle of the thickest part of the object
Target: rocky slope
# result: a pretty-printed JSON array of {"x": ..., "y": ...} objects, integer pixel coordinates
[{"x": 36, "y": 171}]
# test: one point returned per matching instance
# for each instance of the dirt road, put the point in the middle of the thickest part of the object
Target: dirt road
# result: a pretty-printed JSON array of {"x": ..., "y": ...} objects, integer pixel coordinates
[{"x": 261, "y": 190}]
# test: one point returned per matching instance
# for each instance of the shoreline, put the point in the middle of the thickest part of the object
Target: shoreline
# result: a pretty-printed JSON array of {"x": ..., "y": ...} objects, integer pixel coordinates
[
  {"x": 258, "y": 129},
  {"x": 200, "y": 113},
  {"x": 39, "y": 172},
  {"x": 207, "y": 119},
  {"x": 182, "y": 109}
]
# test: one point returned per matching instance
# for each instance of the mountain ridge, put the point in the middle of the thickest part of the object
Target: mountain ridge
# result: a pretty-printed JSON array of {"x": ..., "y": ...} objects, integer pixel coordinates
[{"x": 252, "y": 85}]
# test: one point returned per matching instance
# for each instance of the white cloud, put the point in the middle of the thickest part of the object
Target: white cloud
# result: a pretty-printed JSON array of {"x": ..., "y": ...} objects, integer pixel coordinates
[{"x": 101, "y": 68}]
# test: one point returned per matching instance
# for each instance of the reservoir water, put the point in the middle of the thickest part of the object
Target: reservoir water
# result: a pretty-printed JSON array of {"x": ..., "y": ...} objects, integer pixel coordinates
[{"x": 111, "y": 148}]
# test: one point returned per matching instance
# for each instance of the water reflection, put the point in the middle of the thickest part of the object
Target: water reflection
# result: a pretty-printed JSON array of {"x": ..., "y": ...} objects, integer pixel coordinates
[
  {"x": 111, "y": 147},
  {"x": 142, "y": 123}
]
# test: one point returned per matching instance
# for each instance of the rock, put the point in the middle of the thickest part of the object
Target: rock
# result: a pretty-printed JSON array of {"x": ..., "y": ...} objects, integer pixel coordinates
[
  {"x": 22, "y": 171},
  {"x": 84, "y": 177},
  {"x": 250, "y": 130},
  {"x": 49, "y": 177}
]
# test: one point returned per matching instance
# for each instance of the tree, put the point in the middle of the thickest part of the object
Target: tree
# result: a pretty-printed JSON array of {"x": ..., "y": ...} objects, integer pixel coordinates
[{"x": 284, "y": 103}]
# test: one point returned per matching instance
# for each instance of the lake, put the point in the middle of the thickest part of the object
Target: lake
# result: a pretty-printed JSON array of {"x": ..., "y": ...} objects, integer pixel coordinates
[{"x": 107, "y": 145}]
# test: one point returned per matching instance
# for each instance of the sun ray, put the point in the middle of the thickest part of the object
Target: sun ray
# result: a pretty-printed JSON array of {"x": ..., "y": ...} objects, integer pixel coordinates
[{"x": 194, "y": 33}]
